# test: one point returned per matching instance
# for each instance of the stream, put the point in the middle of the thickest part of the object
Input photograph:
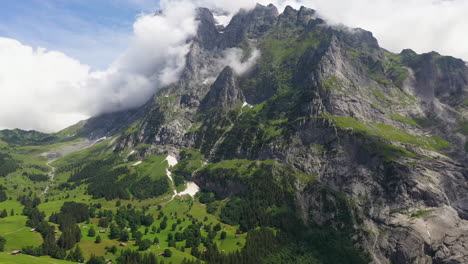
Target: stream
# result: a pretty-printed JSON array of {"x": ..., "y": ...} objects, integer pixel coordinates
[
  {"x": 51, "y": 176},
  {"x": 63, "y": 151}
]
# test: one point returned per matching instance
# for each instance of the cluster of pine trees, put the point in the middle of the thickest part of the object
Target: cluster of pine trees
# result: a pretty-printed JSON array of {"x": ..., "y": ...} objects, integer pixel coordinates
[
  {"x": 70, "y": 214},
  {"x": 3, "y": 195},
  {"x": 110, "y": 182},
  {"x": 7, "y": 164},
  {"x": 134, "y": 257},
  {"x": 35, "y": 177},
  {"x": 264, "y": 245}
]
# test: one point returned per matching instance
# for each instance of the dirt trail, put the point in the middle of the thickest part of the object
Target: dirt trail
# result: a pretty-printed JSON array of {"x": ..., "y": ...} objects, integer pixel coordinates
[{"x": 12, "y": 232}]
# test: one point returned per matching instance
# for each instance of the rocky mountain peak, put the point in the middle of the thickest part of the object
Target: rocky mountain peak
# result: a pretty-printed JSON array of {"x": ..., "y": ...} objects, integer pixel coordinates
[
  {"x": 305, "y": 14},
  {"x": 250, "y": 24},
  {"x": 207, "y": 33},
  {"x": 224, "y": 93},
  {"x": 289, "y": 12},
  {"x": 442, "y": 77}
]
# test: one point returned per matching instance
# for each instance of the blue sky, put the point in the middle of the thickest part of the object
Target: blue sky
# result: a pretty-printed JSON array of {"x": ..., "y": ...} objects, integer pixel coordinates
[{"x": 92, "y": 31}]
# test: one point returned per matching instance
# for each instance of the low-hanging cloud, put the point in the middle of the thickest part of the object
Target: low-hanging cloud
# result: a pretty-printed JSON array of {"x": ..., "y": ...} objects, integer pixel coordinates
[
  {"x": 47, "y": 90},
  {"x": 155, "y": 58},
  {"x": 234, "y": 57}
]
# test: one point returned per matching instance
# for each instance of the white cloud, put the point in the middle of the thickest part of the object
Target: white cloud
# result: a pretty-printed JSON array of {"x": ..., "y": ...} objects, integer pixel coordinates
[
  {"x": 30, "y": 86},
  {"x": 234, "y": 57},
  {"x": 155, "y": 58},
  {"x": 47, "y": 90}
]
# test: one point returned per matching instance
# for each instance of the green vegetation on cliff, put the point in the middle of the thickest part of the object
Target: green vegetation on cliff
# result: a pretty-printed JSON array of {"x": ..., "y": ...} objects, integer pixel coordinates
[{"x": 389, "y": 133}]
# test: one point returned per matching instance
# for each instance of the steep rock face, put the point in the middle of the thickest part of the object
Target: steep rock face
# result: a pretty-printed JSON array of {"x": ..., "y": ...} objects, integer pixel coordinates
[
  {"x": 109, "y": 124},
  {"x": 207, "y": 31},
  {"x": 224, "y": 93},
  {"x": 248, "y": 24},
  {"x": 384, "y": 130},
  {"x": 445, "y": 78}
]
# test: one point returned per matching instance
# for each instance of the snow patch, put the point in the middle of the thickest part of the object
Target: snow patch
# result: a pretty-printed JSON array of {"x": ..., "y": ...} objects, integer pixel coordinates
[
  {"x": 112, "y": 141},
  {"x": 137, "y": 163},
  {"x": 191, "y": 189},
  {"x": 133, "y": 151},
  {"x": 208, "y": 81},
  {"x": 246, "y": 104},
  {"x": 95, "y": 142},
  {"x": 171, "y": 160},
  {"x": 222, "y": 19}
]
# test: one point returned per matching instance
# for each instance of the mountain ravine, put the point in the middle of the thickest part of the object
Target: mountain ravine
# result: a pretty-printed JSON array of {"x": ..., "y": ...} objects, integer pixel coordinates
[{"x": 326, "y": 136}]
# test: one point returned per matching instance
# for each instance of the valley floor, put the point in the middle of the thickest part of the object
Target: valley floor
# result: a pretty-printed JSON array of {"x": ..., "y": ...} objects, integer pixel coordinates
[{"x": 179, "y": 207}]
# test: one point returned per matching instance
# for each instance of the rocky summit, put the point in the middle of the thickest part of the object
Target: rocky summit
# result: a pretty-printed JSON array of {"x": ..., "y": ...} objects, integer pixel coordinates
[{"x": 348, "y": 152}]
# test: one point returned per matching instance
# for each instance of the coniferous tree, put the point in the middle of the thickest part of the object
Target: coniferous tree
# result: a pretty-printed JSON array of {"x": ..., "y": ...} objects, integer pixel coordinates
[
  {"x": 98, "y": 240},
  {"x": 144, "y": 244},
  {"x": 163, "y": 224},
  {"x": 3, "y": 214},
  {"x": 49, "y": 246},
  {"x": 223, "y": 235},
  {"x": 59, "y": 253},
  {"x": 167, "y": 253},
  {"x": 91, "y": 232},
  {"x": 124, "y": 236},
  {"x": 113, "y": 249},
  {"x": 76, "y": 255},
  {"x": 172, "y": 243},
  {"x": 137, "y": 235},
  {"x": 79, "y": 254},
  {"x": 195, "y": 252},
  {"x": 2, "y": 243},
  {"x": 96, "y": 260},
  {"x": 114, "y": 232},
  {"x": 103, "y": 222}
]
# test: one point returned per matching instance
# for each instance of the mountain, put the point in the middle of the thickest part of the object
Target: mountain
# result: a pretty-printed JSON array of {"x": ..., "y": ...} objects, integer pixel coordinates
[{"x": 351, "y": 153}]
